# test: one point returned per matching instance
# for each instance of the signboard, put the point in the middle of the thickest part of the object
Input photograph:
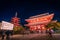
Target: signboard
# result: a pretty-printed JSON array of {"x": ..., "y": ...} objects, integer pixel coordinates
[{"x": 7, "y": 26}]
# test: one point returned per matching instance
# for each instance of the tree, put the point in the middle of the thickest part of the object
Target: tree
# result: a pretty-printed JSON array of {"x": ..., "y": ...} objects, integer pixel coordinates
[
  {"x": 18, "y": 30},
  {"x": 54, "y": 26}
]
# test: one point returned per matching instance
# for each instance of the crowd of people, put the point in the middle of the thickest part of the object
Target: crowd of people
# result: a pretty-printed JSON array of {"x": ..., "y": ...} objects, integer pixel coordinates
[{"x": 6, "y": 33}]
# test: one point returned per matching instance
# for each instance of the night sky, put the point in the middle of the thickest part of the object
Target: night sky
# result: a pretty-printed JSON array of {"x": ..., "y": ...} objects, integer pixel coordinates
[{"x": 25, "y": 9}]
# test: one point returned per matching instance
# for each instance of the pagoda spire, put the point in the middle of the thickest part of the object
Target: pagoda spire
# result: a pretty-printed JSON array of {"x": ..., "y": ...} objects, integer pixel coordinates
[{"x": 16, "y": 14}]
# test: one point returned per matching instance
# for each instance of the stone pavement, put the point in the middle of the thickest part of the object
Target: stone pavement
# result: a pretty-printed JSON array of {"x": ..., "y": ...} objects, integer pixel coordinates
[{"x": 32, "y": 37}]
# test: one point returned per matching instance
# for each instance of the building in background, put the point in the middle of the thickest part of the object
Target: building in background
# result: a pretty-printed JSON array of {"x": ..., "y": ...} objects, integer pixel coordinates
[
  {"x": 39, "y": 22},
  {"x": 16, "y": 21}
]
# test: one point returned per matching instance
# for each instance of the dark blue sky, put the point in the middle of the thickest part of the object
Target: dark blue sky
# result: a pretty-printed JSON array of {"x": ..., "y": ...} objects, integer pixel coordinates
[{"x": 26, "y": 9}]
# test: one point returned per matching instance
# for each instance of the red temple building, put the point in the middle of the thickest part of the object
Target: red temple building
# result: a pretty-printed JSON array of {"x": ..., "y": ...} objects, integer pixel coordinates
[{"x": 39, "y": 22}]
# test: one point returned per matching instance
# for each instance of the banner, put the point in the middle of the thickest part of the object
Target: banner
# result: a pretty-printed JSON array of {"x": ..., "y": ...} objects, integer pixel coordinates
[{"x": 7, "y": 26}]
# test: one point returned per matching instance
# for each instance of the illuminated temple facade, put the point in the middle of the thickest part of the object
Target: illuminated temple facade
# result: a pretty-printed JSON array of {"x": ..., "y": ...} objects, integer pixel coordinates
[{"x": 39, "y": 22}]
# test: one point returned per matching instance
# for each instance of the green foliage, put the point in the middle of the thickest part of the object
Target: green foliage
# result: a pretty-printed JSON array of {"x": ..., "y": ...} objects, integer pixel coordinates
[
  {"x": 17, "y": 28},
  {"x": 54, "y": 26}
]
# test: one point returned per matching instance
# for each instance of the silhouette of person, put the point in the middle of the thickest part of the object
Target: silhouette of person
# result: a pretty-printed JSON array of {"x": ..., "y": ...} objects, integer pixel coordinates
[
  {"x": 8, "y": 34},
  {"x": 2, "y": 34},
  {"x": 50, "y": 33}
]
